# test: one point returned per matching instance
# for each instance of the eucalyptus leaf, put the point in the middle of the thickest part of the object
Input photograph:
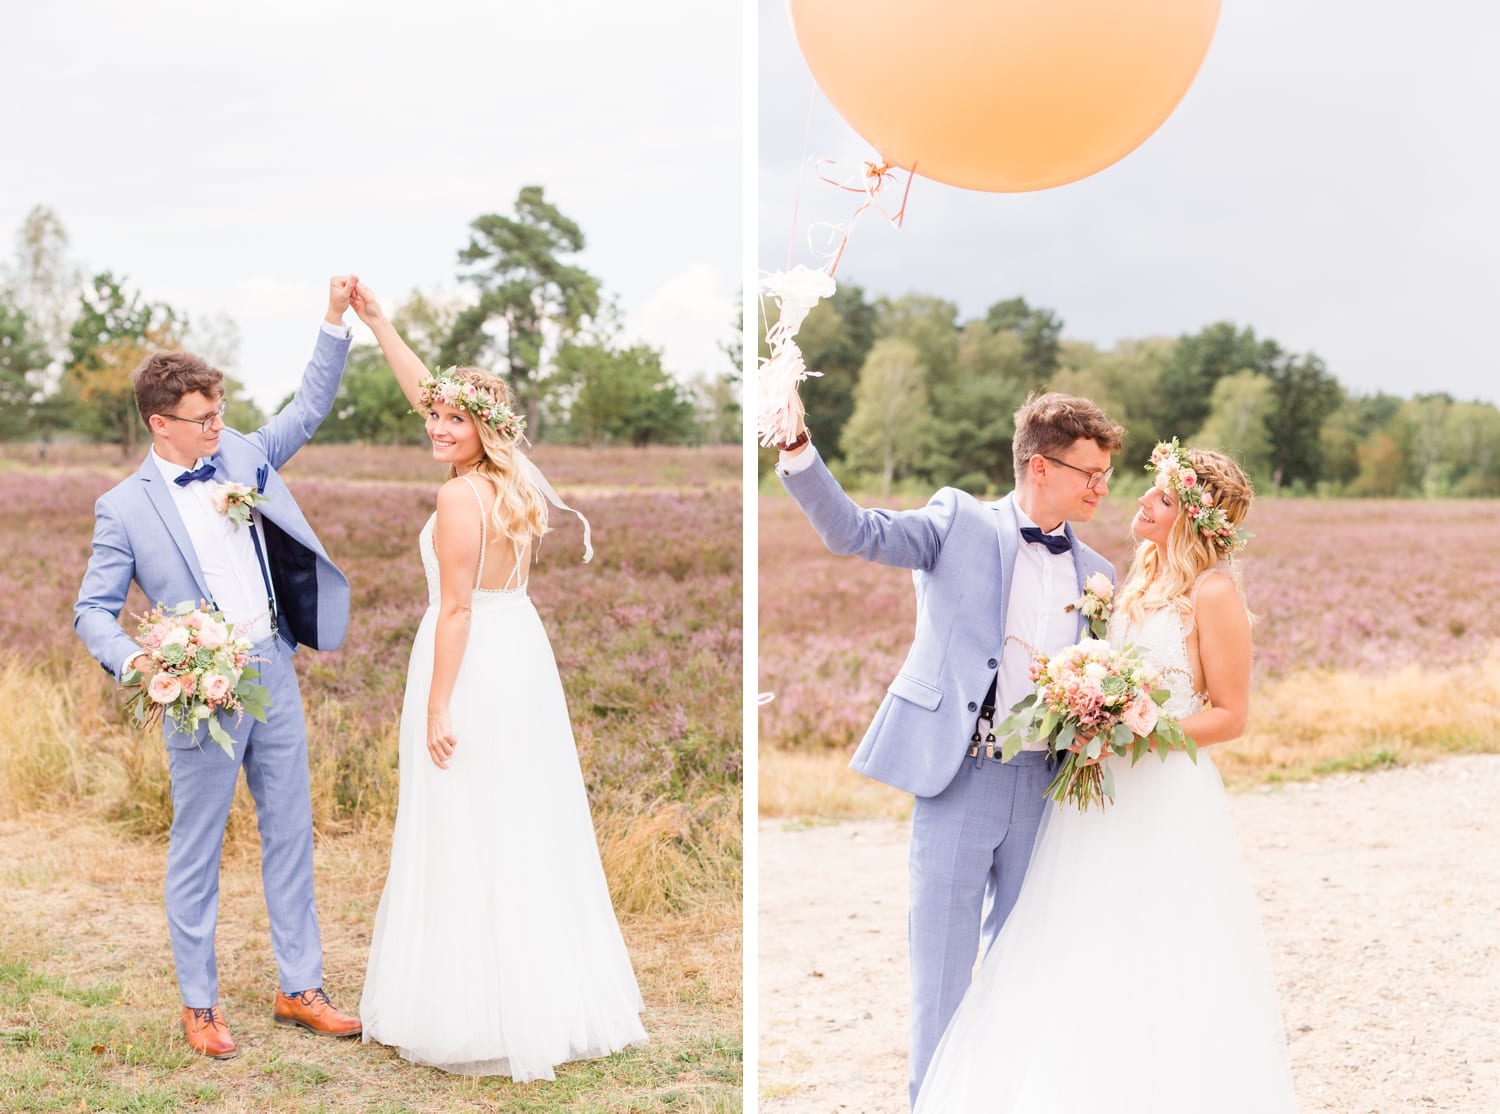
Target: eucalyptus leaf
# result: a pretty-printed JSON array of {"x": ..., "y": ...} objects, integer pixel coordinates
[
  {"x": 220, "y": 736},
  {"x": 1109, "y": 782}
]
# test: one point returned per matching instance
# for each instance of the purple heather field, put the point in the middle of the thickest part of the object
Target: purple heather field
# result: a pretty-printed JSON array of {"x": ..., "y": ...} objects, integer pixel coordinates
[
  {"x": 1356, "y": 585},
  {"x": 647, "y": 636}
]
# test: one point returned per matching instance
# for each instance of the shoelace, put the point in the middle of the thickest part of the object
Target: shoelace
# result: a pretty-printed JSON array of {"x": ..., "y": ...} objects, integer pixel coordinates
[
  {"x": 316, "y": 994},
  {"x": 207, "y": 1015}
]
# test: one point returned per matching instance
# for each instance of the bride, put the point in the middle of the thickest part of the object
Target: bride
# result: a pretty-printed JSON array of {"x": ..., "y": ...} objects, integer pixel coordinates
[
  {"x": 496, "y": 950},
  {"x": 1132, "y": 975}
]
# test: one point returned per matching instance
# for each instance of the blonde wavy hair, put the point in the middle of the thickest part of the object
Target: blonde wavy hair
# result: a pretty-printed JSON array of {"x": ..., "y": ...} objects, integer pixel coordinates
[
  {"x": 519, "y": 510},
  {"x": 1165, "y": 578}
]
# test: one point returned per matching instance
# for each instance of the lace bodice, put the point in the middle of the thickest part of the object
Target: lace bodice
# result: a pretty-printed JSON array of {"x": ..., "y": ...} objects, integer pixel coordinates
[{"x": 1161, "y": 639}]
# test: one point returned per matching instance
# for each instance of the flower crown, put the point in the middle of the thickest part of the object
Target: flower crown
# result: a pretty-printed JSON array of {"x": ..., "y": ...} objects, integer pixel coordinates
[
  {"x": 1174, "y": 472},
  {"x": 450, "y": 391}
]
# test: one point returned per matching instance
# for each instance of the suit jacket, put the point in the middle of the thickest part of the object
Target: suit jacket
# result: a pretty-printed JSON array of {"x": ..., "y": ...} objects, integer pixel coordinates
[
  {"x": 962, "y": 552},
  {"x": 138, "y": 535}
]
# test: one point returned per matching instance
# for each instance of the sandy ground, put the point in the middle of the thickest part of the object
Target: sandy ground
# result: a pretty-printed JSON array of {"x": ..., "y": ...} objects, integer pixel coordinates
[{"x": 1381, "y": 899}]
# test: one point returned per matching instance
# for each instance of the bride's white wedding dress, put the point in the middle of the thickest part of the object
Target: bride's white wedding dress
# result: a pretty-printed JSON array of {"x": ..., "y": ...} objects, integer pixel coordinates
[
  {"x": 1132, "y": 976},
  {"x": 496, "y": 950}
]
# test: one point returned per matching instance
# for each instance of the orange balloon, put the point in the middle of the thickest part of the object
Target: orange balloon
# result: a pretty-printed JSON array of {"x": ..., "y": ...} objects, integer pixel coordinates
[{"x": 1004, "y": 95}]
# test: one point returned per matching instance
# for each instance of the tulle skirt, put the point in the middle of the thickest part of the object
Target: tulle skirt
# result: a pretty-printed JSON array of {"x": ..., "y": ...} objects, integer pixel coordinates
[
  {"x": 1132, "y": 976},
  {"x": 496, "y": 950}
]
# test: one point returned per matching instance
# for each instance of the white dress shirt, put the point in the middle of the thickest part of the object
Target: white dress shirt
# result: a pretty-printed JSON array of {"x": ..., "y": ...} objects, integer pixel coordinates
[
  {"x": 225, "y": 552},
  {"x": 1042, "y": 585}
]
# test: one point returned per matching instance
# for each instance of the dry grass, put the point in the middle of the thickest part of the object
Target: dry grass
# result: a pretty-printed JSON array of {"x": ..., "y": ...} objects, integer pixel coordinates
[{"x": 88, "y": 1001}]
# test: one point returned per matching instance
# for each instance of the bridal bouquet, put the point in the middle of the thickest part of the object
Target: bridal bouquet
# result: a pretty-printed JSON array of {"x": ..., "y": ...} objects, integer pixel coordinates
[
  {"x": 198, "y": 668},
  {"x": 1102, "y": 700}
]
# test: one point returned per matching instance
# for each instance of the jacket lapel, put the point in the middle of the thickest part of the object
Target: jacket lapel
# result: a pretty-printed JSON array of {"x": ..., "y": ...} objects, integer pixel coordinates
[{"x": 161, "y": 499}]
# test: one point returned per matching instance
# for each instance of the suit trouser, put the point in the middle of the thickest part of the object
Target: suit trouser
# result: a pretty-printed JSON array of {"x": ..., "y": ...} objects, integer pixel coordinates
[
  {"x": 274, "y": 758},
  {"x": 970, "y": 846}
]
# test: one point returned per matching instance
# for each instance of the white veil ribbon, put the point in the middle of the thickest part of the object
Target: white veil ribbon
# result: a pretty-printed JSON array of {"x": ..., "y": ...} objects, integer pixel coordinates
[{"x": 534, "y": 474}]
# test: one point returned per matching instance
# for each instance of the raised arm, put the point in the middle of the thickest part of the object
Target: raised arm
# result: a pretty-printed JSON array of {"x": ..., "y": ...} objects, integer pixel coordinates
[
  {"x": 1223, "y": 628},
  {"x": 294, "y": 426},
  {"x": 407, "y": 366}
]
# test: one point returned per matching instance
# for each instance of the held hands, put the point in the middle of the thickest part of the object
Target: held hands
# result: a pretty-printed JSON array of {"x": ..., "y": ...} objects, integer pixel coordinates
[
  {"x": 340, "y": 287},
  {"x": 365, "y": 305},
  {"x": 440, "y": 740}
]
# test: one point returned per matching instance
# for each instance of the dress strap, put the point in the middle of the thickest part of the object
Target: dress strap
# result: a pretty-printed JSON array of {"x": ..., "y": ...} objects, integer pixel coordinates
[{"x": 483, "y": 528}]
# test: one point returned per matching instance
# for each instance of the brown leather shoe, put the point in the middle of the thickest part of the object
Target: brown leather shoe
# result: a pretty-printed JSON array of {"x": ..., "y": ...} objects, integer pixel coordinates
[
  {"x": 312, "y": 1010},
  {"x": 208, "y": 1032}
]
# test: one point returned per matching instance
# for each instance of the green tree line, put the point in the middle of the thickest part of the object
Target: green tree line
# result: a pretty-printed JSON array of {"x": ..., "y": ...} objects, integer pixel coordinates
[
  {"x": 70, "y": 338},
  {"x": 911, "y": 394}
]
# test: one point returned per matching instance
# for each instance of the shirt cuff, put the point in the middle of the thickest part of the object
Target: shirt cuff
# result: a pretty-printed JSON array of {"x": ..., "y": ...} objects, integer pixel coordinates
[
  {"x": 342, "y": 331},
  {"x": 791, "y": 465}
]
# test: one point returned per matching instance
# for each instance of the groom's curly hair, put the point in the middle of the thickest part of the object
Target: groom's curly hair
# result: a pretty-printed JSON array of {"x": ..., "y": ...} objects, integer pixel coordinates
[
  {"x": 1046, "y": 424},
  {"x": 164, "y": 377}
]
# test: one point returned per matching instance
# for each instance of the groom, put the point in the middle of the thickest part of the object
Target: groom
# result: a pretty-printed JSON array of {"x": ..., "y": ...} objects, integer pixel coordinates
[
  {"x": 993, "y": 582},
  {"x": 273, "y": 581}
]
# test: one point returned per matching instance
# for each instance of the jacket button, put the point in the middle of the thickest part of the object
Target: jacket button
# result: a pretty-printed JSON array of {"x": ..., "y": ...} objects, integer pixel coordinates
[
  {"x": 993, "y": 663},
  {"x": 973, "y": 707}
]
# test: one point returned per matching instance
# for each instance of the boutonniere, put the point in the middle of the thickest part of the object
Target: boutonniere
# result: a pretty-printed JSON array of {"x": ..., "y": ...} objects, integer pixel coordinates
[
  {"x": 1096, "y": 604},
  {"x": 235, "y": 501}
]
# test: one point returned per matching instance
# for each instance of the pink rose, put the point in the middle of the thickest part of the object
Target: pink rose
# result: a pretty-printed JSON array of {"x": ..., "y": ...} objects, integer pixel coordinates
[
  {"x": 164, "y": 688},
  {"x": 1189, "y": 477},
  {"x": 213, "y": 634},
  {"x": 216, "y": 687},
  {"x": 1099, "y": 584},
  {"x": 1141, "y": 715}
]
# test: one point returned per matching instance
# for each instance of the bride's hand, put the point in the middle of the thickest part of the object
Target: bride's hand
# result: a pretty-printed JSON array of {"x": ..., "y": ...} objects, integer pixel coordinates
[
  {"x": 1080, "y": 744},
  {"x": 363, "y": 302},
  {"x": 440, "y": 740}
]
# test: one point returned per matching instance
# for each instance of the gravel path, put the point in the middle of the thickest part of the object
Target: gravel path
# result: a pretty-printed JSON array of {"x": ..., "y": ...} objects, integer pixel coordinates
[{"x": 1381, "y": 899}]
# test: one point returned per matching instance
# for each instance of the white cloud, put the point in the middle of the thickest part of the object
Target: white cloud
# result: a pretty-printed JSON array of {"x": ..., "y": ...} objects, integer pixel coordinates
[{"x": 689, "y": 317}]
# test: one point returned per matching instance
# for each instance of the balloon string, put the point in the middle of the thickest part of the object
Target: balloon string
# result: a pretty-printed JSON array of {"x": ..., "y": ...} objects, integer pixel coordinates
[
  {"x": 791, "y": 233},
  {"x": 876, "y": 177}
]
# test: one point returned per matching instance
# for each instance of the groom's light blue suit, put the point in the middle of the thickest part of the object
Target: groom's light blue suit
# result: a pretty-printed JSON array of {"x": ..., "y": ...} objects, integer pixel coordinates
[
  {"x": 974, "y": 821},
  {"x": 139, "y": 535}
]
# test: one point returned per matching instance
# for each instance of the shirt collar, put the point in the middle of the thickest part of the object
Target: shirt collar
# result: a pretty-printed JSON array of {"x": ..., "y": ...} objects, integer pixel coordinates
[
  {"x": 1023, "y": 521},
  {"x": 170, "y": 471}
]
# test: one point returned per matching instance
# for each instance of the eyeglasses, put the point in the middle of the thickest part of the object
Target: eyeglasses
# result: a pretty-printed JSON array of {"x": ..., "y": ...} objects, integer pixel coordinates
[
  {"x": 204, "y": 423},
  {"x": 1095, "y": 478}
]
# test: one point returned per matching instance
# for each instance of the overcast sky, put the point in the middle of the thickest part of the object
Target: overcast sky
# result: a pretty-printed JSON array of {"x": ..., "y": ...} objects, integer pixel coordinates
[
  {"x": 1329, "y": 179},
  {"x": 230, "y": 158}
]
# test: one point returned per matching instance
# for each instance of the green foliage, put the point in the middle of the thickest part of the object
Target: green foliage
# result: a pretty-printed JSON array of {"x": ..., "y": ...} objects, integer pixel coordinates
[
  {"x": 525, "y": 287},
  {"x": 1237, "y": 423},
  {"x": 1040, "y": 334},
  {"x": 891, "y": 427},
  {"x": 624, "y": 396},
  {"x": 23, "y": 358},
  {"x": 114, "y": 331}
]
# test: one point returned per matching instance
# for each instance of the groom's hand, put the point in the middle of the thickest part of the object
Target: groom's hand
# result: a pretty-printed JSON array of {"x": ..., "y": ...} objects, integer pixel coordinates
[{"x": 340, "y": 287}]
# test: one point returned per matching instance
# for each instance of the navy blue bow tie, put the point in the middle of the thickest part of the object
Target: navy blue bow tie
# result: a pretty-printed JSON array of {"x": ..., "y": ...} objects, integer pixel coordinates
[
  {"x": 204, "y": 473},
  {"x": 1055, "y": 543}
]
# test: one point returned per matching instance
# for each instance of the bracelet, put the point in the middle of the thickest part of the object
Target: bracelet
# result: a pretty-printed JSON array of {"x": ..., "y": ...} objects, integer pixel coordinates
[{"x": 795, "y": 443}]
